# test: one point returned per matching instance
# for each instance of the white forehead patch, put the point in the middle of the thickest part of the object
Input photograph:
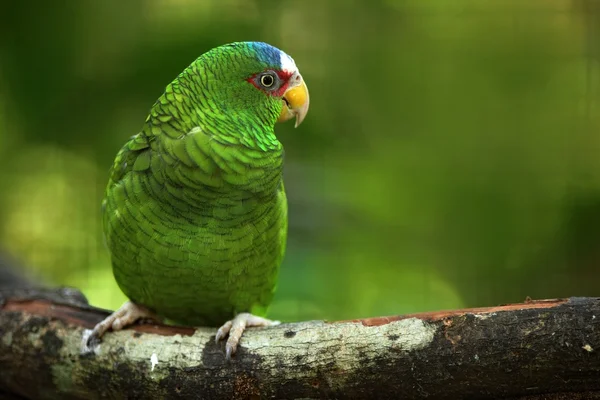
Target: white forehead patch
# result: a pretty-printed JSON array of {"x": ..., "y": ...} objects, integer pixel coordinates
[{"x": 287, "y": 63}]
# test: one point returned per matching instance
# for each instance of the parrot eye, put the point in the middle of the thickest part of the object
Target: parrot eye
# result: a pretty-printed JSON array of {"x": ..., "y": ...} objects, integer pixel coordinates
[{"x": 267, "y": 80}]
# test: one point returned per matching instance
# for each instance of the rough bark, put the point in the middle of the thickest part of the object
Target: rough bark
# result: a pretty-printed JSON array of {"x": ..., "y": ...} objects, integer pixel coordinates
[{"x": 537, "y": 350}]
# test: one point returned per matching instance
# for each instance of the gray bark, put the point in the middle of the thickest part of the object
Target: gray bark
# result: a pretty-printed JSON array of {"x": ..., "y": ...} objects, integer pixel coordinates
[{"x": 536, "y": 350}]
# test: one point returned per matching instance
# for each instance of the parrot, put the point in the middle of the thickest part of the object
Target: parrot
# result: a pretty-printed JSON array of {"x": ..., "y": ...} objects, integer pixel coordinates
[{"x": 195, "y": 212}]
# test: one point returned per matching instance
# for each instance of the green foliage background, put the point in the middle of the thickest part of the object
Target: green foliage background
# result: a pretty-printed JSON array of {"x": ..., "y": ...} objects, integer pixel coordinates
[{"x": 450, "y": 157}]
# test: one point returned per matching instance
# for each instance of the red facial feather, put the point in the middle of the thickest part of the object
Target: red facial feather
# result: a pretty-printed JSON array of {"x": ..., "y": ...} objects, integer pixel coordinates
[{"x": 284, "y": 76}]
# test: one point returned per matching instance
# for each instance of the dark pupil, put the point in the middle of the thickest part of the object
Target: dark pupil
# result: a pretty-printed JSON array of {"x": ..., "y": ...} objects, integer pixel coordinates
[{"x": 267, "y": 80}]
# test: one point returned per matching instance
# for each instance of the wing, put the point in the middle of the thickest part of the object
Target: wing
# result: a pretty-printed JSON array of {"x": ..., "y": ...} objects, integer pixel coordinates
[{"x": 133, "y": 156}]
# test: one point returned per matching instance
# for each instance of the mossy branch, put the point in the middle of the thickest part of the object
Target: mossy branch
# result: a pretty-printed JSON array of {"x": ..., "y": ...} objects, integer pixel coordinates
[{"x": 540, "y": 349}]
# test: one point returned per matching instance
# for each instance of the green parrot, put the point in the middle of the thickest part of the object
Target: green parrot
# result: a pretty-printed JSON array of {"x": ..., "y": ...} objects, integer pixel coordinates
[{"x": 195, "y": 212}]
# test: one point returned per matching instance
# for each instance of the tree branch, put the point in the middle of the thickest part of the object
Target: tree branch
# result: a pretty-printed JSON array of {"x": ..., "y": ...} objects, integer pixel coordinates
[{"x": 537, "y": 350}]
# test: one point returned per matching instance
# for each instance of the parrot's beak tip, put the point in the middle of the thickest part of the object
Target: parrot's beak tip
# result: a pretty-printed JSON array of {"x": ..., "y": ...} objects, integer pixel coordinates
[
  {"x": 295, "y": 103},
  {"x": 300, "y": 115}
]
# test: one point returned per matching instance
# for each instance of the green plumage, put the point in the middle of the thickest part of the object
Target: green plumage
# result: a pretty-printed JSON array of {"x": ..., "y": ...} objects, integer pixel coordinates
[{"x": 195, "y": 213}]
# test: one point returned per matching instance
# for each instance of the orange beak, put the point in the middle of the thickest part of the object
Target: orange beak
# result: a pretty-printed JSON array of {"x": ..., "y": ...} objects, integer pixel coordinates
[{"x": 295, "y": 102}]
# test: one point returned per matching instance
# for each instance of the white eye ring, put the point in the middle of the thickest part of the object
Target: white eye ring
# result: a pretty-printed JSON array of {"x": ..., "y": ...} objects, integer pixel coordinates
[{"x": 267, "y": 80}]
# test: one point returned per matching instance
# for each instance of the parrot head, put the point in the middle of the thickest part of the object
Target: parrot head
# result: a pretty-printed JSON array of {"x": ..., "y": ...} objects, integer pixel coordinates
[{"x": 254, "y": 82}]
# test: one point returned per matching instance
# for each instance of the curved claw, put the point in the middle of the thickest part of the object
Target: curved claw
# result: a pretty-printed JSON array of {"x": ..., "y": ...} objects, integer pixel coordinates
[
  {"x": 236, "y": 327},
  {"x": 94, "y": 336},
  {"x": 223, "y": 331},
  {"x": 124, "y": 316}
]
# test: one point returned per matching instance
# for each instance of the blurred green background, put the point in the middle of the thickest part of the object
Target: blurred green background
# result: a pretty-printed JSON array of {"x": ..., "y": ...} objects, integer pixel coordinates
[{"x": 451, "y": 156}]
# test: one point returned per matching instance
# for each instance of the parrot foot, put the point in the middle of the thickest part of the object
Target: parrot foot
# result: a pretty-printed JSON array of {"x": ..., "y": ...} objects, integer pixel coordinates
[
  {"x": 236, "y": 327},
  {"x": 124, "y": 316}
]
